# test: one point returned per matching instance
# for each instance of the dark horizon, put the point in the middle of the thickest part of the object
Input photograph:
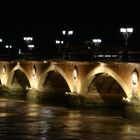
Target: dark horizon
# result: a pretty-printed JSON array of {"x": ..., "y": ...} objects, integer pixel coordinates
[{"x": 86, "y": 21}]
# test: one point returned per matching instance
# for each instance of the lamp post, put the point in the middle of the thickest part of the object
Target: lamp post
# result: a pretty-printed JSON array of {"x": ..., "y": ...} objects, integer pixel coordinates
[
  {"x": 28, "y": 41},
  {"x": 31, "y": 46},
  {"x": 97, "y": 43},
  {"x": 8, "y": 47},
  {"x": 126, "y": 32},
  {"x": 59, "y": 43},
  {"x": 68, "y": 34}
]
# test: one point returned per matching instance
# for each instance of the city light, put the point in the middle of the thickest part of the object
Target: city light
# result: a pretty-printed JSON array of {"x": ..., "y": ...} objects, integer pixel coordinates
[
  {"x": 59, "y": 42},
  {"x": 45, "y": 61},
  {"x": 130, "y": 30},
  {"x": 31, "y": 46},
  {"x": 19, "y": 51},
  {"x": 70, "y": 32},
  {"x": 126, "y": 32},
  {"x": 67, "y": 34},
  {"x": 63, "y": 32},
  {"x": 62, "y": 42},
  {"x": 1, "y": 40},
  {"x": 28, "y": 39},
  {"x": 8, "y": 46},
  {"x": 97, "y": 42}
]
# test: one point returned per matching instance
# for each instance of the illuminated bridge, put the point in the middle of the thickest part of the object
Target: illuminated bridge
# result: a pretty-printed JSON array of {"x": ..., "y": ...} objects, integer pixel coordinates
[{"x": 79, "y": 83}]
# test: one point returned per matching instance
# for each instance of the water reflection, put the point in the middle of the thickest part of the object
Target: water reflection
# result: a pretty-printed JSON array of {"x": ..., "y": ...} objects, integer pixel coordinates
[
  {"x": 3, "y": 114},
  {"x": 32, "y": 110},
  {"x": 23, "y": 121},
  {"x": 3, "y": 104}
]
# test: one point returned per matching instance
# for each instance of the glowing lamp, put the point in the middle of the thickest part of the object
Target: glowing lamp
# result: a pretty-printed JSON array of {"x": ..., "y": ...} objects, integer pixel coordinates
[
  {"x": 70, "y": 32},
  {"x": 64, "y": 32}
]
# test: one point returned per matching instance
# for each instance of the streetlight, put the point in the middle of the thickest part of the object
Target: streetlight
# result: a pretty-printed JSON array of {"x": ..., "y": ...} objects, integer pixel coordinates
[
  {"x": 28, "y": 41},
  {"x": 59, "y": 42},
  {"x": 8, "y": 47},
  {"x": 67, "y": 33},
  {"x": 97, "y": 43},
  {"x": 1, "y": 40},
  {"x": 126, "y": 32},
  {"x": 31, "y": 46}
]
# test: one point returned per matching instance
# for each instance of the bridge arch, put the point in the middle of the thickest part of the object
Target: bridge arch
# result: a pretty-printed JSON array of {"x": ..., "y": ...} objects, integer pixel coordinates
[
  {"x": 12, "y": 74},
  {"x": 57, "y": 69},
  {"x": 105, "y": 70}
]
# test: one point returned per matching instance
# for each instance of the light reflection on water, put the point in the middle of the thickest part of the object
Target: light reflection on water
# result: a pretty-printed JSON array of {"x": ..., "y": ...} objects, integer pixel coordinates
[{"x": 23, "y": 121}]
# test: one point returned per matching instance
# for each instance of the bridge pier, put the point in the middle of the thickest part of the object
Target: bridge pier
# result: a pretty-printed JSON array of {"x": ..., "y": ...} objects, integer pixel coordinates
[
  {"x": 17, "y": 94},
  {"x": 33, "y": 95},
  {"x": 73, "y": 100},
  {"x": 47, "y": 97},
  {"x": 4, "y": 91},
  {"x": 131, "y": 109},
  {"x": 12, "y": 93}
]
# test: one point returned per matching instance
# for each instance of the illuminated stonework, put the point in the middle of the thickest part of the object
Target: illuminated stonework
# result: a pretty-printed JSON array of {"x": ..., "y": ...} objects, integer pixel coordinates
[
  {"x": 4, "y": 78},
  {"x": 135, "y": 78},
  {"x": 4, "y": 70},
  {"x": 34, "y": 70},
  {"x": 75, "y": 73},
  {"x": 34, "y": 78},
  {"x": 75, "y": 79}
]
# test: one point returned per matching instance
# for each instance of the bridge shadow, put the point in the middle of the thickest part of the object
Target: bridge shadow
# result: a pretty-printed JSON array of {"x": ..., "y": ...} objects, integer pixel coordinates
[
  {"x": 55, "y": 88},
  {"x": 105, "y": 91}
]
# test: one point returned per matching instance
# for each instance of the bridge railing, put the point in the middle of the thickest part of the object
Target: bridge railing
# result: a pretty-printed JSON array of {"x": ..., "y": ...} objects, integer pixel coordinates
[{"x": 131, "y": 56}]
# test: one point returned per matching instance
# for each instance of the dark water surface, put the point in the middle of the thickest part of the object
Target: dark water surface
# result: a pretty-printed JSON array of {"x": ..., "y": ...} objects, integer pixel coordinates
[{"x": 20, "y": 120}]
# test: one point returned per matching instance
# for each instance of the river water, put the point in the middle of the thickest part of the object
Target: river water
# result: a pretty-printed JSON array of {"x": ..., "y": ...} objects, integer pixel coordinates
[{"x": 20, "y": 120}]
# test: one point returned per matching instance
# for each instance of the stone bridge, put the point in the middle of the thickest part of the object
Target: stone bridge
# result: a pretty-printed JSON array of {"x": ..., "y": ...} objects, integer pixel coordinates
[{"x": 83, "y": 83}]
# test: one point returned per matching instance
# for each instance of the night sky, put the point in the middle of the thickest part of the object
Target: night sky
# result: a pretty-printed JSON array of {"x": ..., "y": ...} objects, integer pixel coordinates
[{"x": 88, "y": 20}]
